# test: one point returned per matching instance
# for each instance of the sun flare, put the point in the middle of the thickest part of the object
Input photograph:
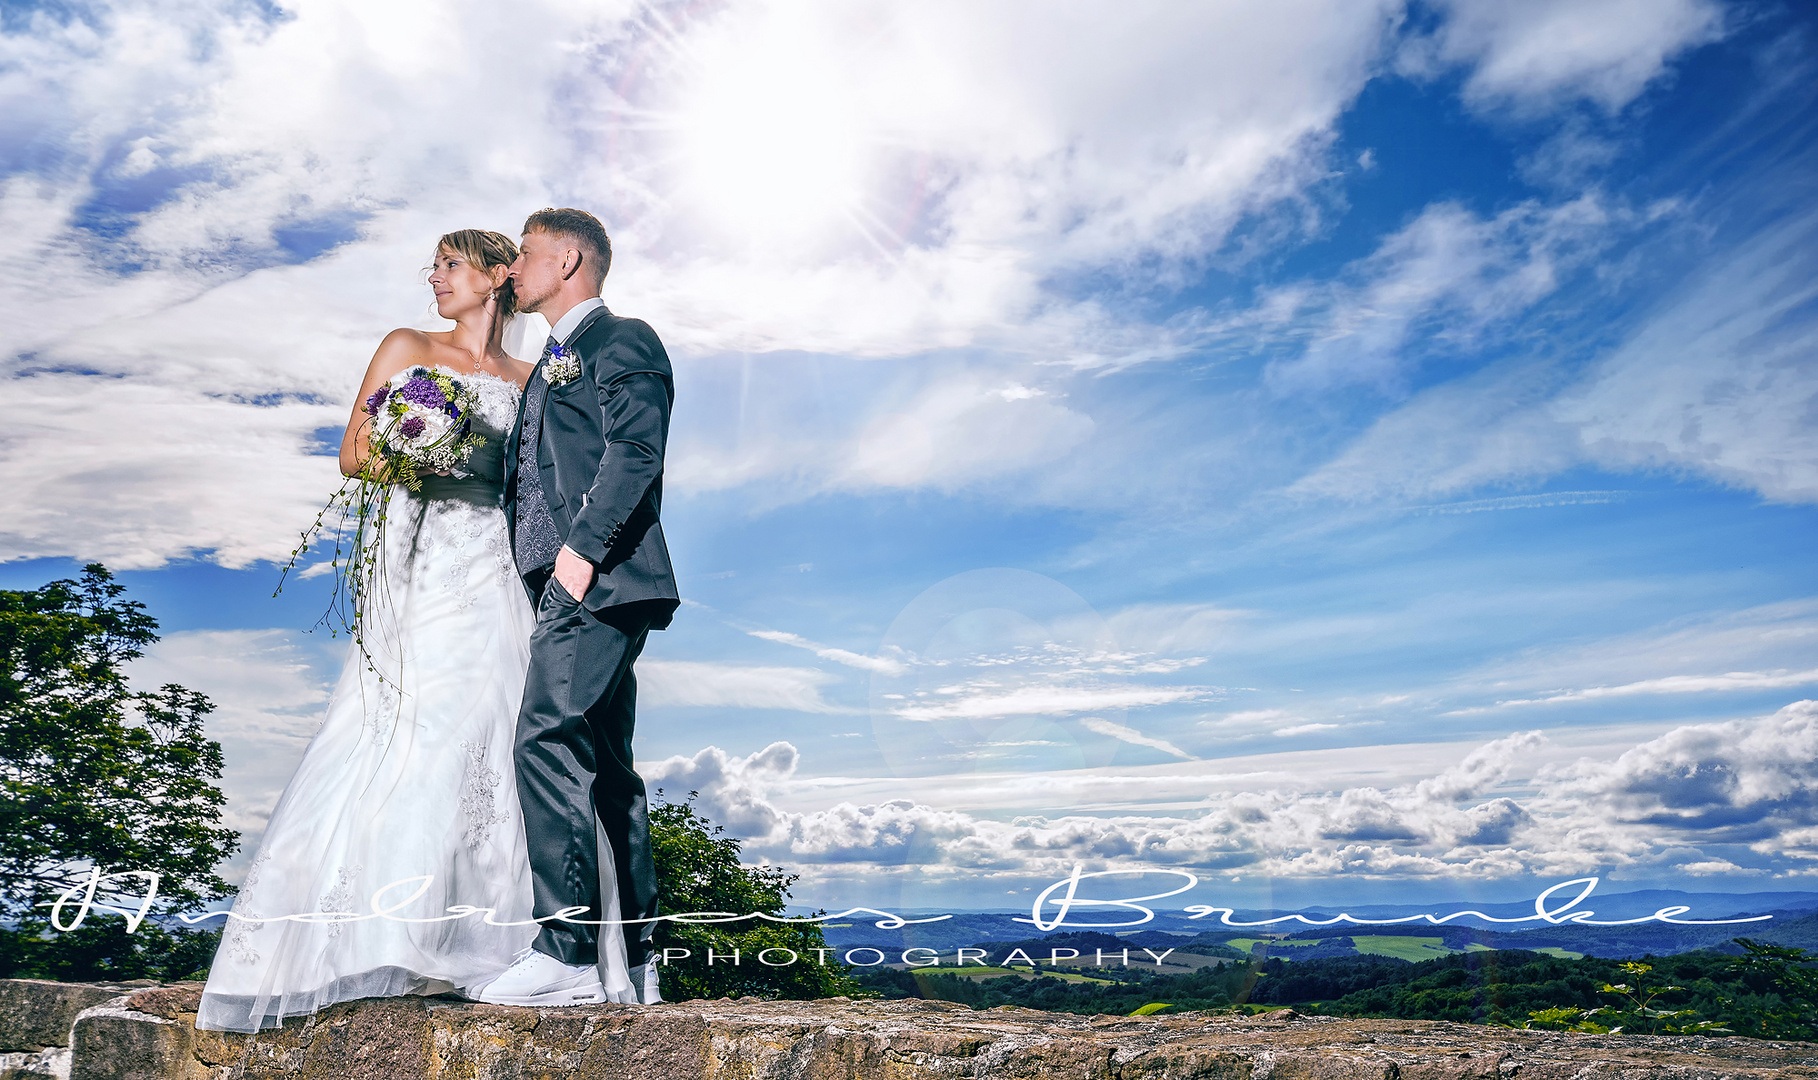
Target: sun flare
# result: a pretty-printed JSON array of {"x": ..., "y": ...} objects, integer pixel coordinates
[{"x": 767, "y": 143}]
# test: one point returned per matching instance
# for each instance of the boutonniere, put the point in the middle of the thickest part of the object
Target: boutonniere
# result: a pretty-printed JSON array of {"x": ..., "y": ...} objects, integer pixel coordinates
[{"x": 562, "y": 366}]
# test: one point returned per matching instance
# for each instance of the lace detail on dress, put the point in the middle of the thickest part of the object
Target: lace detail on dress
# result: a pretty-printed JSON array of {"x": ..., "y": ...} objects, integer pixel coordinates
[
  {"x": 498, "y": 397},
  {"x": 477, "y": 799},
  {"x": 382, "y": 709},
  {"x": 337, "y": 898},
  {"x": 464, "y": 531},
  {"x": 239, "y": 931}
]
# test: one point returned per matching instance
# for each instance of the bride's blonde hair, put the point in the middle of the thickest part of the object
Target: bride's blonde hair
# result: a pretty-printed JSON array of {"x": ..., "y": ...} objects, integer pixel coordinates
[{"x": 484, "y": 249}]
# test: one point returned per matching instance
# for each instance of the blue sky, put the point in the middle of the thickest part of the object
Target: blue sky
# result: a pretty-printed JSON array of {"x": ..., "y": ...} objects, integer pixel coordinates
[{"x": 1339, "y": 449}]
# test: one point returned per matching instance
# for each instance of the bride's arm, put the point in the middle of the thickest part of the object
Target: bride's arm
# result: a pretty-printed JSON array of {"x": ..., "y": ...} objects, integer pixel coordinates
[{"x": 400, "y": 349}]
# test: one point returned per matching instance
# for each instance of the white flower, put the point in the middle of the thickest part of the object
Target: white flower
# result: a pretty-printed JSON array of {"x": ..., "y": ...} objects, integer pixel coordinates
[{"x": 562, "y": 368}]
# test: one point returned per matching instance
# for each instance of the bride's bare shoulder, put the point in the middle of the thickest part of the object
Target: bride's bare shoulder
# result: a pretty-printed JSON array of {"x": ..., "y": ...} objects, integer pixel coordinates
[
  {"x": 409, "y": 340},
  {"x": 400, "y": 349}
]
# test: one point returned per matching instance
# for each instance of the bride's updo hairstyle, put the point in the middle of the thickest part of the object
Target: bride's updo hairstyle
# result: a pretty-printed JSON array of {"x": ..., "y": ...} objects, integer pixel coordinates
[{"x": 484, "y": 250}]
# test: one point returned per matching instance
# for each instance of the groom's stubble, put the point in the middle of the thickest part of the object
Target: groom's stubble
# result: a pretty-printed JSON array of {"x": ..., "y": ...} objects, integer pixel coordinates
[{"x": 536, "y": 277}]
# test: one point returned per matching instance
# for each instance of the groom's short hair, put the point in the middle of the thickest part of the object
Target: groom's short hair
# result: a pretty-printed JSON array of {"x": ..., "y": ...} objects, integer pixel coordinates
[{"x": 579, "y": 226}]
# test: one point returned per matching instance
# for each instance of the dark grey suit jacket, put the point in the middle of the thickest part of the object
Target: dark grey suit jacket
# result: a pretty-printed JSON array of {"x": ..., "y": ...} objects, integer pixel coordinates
[{"x": 601, "y": 458}]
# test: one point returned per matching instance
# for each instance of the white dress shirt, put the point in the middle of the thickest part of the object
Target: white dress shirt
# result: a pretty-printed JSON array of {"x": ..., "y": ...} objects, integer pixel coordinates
[{"x": 564, "y": 328}]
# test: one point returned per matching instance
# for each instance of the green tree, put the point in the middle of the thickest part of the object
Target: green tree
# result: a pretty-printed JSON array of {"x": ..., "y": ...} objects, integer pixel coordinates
[
  {"x": 94, "y": 774},
  {"x": 1784, "y": 1002},
  {"x": 699, "y": 870}
]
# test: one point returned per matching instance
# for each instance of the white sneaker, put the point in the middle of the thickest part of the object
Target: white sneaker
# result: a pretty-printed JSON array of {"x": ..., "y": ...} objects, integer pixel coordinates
[
  {"x": 644, "y": 978},
  {"x": 536, "y": 978}
]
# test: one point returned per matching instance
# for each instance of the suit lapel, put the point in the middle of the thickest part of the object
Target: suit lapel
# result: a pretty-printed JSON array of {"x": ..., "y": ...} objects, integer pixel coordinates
[{"x": 591, "y": 317}]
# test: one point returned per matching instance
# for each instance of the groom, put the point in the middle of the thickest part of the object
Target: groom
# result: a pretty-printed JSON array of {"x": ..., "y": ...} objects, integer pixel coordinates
[{"x": 582, "y": 492}]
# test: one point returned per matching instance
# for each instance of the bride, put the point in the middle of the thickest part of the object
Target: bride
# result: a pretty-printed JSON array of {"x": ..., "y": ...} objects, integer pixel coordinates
[{"x": 410, "y": 781}]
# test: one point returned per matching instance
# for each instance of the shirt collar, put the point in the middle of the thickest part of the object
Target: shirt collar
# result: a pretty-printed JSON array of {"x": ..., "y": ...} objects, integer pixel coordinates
[{"x": 564, "y": 329}]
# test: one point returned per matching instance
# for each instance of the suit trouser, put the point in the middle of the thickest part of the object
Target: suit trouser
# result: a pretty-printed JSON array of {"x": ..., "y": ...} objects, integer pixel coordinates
[{"x": 574, "y": 768}]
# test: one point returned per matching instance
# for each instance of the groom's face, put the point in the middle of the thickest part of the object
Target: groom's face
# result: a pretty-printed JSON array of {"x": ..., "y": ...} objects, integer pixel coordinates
[{"x": 537, "y": 273}]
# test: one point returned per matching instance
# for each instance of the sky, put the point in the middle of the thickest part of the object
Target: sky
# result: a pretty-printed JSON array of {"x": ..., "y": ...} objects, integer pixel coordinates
[{"x": 1347, "y": 450}]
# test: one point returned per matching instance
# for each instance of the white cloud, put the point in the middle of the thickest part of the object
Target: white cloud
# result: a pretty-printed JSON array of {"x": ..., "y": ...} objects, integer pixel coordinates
[
  {"x": 1741, "y": 781},
  {"x": 959, "y": 431},
  {"x": 846, "y": 657},
  {"x": 1682, "y": 684},
  {"x": 1482, "y": 769},
  {"x": 1534, "y": 54},
  {"x": 1442, "y": 279},
  {"x": 1177, "y": 628},
  {"x": 1480, "y": 429},
  {"x": 1759, "y": 646},
  {"x": 1715, "y": 868},
  {"x": 168, "y": 469},
  {"x": 1303, "y": 729},
  {"x": 732, "y": 790},
  {"x": 1125, "y": 733},
  {"x": 1719, "y": 383},
  {"x": 985, "y": 698},
  {"x": 744, "y": 686},
  {"x": 1251, "y": 716},
  {"x": 1747, "y": 778},
  {"x": 1714, "y": 382}
]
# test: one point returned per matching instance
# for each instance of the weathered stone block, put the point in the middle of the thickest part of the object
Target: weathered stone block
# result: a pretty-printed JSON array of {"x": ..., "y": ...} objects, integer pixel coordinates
[
  {"x": 36, "y": 1013},
  {"x": 381, "y": 1039},
  {"x": 112, "y": 1042}
]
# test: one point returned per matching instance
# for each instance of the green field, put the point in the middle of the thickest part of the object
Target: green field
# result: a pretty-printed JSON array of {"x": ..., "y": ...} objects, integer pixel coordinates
[
  {"x": 1402, "y": 948},
  {"x": 975, "y": 971},
  {"x": 1249, "y": 944}
]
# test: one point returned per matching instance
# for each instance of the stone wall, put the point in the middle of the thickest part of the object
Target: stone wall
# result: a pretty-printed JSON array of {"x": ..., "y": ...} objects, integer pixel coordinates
[{"x": 86, "y": 1032}]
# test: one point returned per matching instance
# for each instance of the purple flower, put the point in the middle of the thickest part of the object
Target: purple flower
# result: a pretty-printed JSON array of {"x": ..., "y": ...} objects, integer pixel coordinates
[
  {"x": 412, "y": 426},
  {"x": 377, "y": 400},
  {"x": 424, "y": 392}
]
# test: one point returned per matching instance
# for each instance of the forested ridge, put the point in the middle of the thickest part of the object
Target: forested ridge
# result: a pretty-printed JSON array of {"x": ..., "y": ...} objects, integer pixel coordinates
[{"x": 1770, "y": 993}]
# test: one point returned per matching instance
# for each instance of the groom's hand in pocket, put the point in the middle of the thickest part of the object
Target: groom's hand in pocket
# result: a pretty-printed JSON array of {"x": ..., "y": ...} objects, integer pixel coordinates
[{"x": 574, "y": 573}]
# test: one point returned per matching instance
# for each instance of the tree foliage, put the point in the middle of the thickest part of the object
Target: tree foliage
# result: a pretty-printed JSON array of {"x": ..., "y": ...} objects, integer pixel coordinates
[
  {"x": 95, "y": 774},
  {"x": 1769, "y": 992},
  {"x": 1780, "y": 992},
  {"x": 699, "y": 870},
  {"x": 103, "y": 950},
  {"x": 1124, "y": 992}
]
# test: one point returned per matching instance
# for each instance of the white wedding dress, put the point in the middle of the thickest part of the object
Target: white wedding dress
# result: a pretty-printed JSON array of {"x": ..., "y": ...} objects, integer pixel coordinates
[{"x": 410, "y": 777}]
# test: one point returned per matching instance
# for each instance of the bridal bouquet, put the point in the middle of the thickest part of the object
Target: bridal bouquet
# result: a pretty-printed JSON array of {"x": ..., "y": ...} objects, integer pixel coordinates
[{"x": 421, "y": 420}]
